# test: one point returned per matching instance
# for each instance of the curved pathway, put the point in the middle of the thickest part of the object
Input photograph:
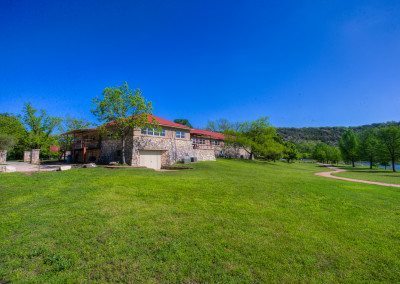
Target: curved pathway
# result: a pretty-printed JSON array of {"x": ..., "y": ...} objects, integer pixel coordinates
[{"x": 337, "y": 170}]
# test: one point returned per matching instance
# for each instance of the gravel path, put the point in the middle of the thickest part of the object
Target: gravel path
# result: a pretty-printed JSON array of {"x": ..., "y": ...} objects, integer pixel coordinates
[{"x": 337, "y": 170}]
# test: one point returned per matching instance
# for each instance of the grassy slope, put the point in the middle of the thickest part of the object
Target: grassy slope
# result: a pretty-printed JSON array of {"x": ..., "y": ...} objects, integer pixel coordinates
[
  {"x": 223, "y": 221},
  {"x": 374, "y": 175}
]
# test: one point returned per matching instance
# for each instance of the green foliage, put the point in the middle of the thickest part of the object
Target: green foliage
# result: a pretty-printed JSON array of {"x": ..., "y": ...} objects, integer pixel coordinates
[
  {"x": 7, "y": 142},
  {"x": 370, "y": 146},
  {"x": 349, "y": 146},
  {"x": 306, "y": 149},
  {"x": 290, "y": 153},
  {"x": 328, "y": 135},
  {"x": 390, "y": 140},
  {"x": 183, "y": 121},
  {"x": 40, "y": 127},
  {"x": 122, "y": 109},
  {"x": 325, "y": 153},
  {"x": 11, "y": 125},
  {"x": 258, "y": 137}
]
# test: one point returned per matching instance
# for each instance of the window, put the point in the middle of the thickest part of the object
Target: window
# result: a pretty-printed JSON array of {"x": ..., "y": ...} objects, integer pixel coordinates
[
  {"x": 179, "y": 134},
  {"x": 215, "y": 142},
  {"x": 198, "y": 141},
  {"x": 153, "y": 131}
]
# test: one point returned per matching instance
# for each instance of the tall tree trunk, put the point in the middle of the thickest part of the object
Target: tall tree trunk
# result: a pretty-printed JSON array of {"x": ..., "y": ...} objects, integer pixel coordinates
[
  {"x": 352, "y": 162},
  {"x": 123, "y": 149},
  {"x": 370, "y": 164},
  {"x": 393, "y": 164}
]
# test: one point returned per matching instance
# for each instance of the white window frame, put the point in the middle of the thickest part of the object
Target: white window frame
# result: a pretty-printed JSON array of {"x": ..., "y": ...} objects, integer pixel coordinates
[
  {"x": 180, "y": 134},
  {"x": 199, "y": 141},
  {"x": 153, "y": 132}
]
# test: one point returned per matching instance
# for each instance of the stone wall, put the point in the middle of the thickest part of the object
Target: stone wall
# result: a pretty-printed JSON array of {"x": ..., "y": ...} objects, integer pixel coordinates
[
  {"x": 27, "y": 156},
  {"x": 204, "y": 154},
  {"x": 3, "y": 156},
  {"x": 35, "y": 156},
  {"x": 173, "y": 150},
  {"x": 232, "y": 151},
  {"x": 109, "y": 151}
]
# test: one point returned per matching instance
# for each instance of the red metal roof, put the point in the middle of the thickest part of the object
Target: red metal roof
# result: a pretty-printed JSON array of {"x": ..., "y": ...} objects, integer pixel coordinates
[
  {"x": 165, "y": 122},
  {"x": 211, "y": 134}
]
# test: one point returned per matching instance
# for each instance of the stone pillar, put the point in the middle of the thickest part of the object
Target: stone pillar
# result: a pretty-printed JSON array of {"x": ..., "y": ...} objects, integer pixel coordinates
[
  {"x": 27, "y": 156},
  {"x": 35, "y": 156},
  {"x": 3, "y": 156}
]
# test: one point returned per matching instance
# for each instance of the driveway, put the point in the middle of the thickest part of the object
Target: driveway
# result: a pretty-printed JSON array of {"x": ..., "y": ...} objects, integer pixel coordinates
[
  {"x": 335, "y": 170},
  {"x": 26, "y": 167}
]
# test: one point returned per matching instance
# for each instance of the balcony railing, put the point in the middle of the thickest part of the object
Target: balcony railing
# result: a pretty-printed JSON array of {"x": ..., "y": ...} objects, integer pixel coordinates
[
  {"x": 203, "y": 146},
  {"x": 89, "y": 144}
]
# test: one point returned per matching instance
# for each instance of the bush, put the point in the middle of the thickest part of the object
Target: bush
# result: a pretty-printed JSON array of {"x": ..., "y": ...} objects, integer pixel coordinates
[{"x": 7, "y": 142}]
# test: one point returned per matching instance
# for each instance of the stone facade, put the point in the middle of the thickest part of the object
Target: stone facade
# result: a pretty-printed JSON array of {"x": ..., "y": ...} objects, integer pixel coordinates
[
  {"x": 27, "y": 156},
  {"x": 35, "y": 159},
  {"x": 172, "y": 149},
  {"x": 236, "y": 152},
  {"x": 3, "y": 156},
  {"x": 204, "y": 154},
  {"x": 166, "y": 145}
]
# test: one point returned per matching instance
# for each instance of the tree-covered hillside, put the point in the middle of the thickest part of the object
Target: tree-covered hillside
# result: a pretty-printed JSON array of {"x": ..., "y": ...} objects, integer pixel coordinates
[{"x": 329, "y": 135}]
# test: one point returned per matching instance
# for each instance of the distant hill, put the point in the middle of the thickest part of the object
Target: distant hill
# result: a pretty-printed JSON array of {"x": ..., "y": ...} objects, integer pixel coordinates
[{"x": 329, "y": 135}]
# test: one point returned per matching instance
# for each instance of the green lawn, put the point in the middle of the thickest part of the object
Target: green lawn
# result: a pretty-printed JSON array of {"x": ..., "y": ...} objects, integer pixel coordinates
[
  {"x": 224, "y": 221},
  {"x": 374, "y": 175}
]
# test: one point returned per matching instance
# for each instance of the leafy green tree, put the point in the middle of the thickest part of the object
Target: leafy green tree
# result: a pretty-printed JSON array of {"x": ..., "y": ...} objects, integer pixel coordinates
[
  {"x": 183, "y": 121},
  {"x": 348, "y": 145},
  {"x": 305, "y": 149},
  {"x": 40, "y": 127},
  {"x": 7, "y": 142},
  {"x": 320, "y": 152},
  {"x": 369, "y": 146},
  {"x": 258, "y": 137},
  {"x": 122, "y": 110},
  {"x": 390, "y": 139},
  {"x": 11, "y": 125},
  {"x": 333, "y": 154},
  {"x": 290, "y": 152}
]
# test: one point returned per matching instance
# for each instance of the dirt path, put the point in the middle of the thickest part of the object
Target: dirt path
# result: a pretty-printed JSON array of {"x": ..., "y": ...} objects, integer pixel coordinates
[{"x": 337, "y": 170}]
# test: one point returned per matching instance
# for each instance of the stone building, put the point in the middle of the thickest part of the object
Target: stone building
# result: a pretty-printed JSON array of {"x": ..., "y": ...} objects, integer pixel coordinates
[
  {"x": 204, "y": 139},
  {"x": 169, "y": 143}
]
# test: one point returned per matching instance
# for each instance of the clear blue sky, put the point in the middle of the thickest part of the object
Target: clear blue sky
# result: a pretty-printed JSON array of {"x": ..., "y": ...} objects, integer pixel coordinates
[{"x": 302, "y": 63}]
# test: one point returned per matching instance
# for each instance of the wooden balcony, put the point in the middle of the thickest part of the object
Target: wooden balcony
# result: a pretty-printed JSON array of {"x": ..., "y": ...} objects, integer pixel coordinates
[
  {"x": 89, "y": 144},
  {"x": 203, "y": 146}
]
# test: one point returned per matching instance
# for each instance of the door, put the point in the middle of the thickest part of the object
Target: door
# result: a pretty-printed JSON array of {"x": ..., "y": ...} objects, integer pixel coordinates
[{"x": 150, "y": 159}]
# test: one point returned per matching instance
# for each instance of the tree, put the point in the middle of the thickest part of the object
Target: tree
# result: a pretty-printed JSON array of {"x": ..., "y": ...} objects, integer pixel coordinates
[
  {"x": 7, "y": 142},
  {"x": 183, "y": 121},
  {"x": 290, "y": 152},
  {"x": 369, "y": 146},
  {"x": 348, "y": 145},
  {"x": 11, "y": 125},
  {"x": 320, "y": 152},
  {"x": 306, "y": 149},
  {"x": 222, "y": 125},
  {"x": 390, "y": 139},
  {"x": 257, "y": 137},
  {"x": 122, "y": 109},
  {"x": 333, "y": 154},
  {"x": 40, "y": 127}
]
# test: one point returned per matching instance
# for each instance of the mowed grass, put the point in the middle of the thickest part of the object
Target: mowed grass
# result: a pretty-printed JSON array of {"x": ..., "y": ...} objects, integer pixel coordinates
[
  {"x": 224, "y": 221},
  {"x": 380, "y": 175}
]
